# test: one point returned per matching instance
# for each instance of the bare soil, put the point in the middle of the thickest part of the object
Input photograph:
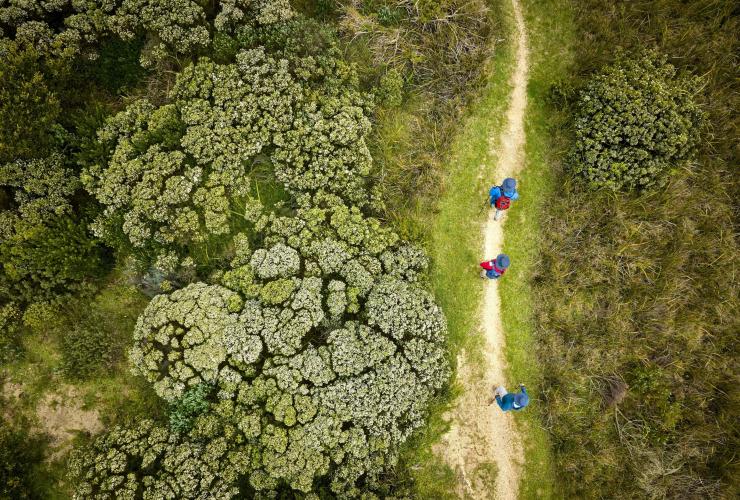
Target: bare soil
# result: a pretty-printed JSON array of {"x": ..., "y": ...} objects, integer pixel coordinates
[{"x": 60, "y": 415}]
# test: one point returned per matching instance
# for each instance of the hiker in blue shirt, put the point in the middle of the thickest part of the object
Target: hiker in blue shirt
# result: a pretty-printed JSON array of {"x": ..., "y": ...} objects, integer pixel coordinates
[
  {"x": 502, "y": 196},
  {"x": 510, "y": 401}
]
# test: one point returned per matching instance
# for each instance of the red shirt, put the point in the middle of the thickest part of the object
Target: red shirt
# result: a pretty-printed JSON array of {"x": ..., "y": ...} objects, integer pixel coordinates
[{"x": 491, "y": 265}]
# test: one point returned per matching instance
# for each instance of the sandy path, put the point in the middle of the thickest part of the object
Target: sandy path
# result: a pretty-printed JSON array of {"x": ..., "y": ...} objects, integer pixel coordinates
[{"x": 481, "y": 434}]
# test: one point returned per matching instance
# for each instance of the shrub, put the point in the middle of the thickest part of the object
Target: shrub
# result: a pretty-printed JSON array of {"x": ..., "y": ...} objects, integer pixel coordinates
[
  {"x": 635, "y": 122},
  {"x": 45, "y": 251},
  {"x": 323, "y": 349},
  {"x": 185, "y": 27},
  {"x": 28, "y": 106},
  {"x": 163, "y": 464},
  {"x": 184, "y": 410},
  {"x": 19, "y": 453},
  {"x": 86, "y": 345},
  {"x": 9, "y": 332}
]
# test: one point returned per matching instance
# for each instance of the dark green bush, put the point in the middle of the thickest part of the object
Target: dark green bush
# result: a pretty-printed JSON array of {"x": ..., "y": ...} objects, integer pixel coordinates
[
  {"x": 635, "y": 122},
  {"x": 88, "y": 345},
  {"x": 44, "y": 262},
  {"x": 185, "y": 409},
  {"x": 28, "y": 106},
  {"x": 19, "y": 453}
]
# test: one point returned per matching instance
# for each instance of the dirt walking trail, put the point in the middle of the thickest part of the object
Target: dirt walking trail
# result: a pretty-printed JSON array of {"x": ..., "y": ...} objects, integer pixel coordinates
[{"x": 481, "y": 434}]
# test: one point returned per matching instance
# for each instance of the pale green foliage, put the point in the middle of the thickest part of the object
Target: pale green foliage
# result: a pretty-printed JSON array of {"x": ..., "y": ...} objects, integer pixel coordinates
[
  {"x": 635, "y": 121},
  {"x": 185, "y": 27},
  {"x": 36, "y": 23},
  {"x": 178, "y": 26},
  {"x": 182, "y": 339},
  {"x": 323, "y": 352},
  {"x": 172, "y": 27},
  {"x": 197, "y": 467},
  {"x": 175, "y": 170},
  {"x": 41, "y": 188}
]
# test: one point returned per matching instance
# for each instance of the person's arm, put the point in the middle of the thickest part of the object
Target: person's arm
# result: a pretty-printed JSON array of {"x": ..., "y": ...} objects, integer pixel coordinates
[
  {"x": 516, "y": 195},
  {"x": 500, "y": 402},
  {"x": 494, "y": 194},
  {"x": 521, "y": 387}
]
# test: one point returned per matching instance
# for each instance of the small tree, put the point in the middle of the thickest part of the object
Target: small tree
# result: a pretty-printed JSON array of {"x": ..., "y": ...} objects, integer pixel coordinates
[
  {"x": 44, "y": 250},
  {"x": 635, "y": 122}
]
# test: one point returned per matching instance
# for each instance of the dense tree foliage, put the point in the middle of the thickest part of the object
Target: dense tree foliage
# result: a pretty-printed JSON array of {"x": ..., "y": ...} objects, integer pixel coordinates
[
  {"x": 179, "y": 173},
  {"x": 322, "y": 348},
  {"x": 44, "y": 250},
  {"x": 635, "y": 122}
]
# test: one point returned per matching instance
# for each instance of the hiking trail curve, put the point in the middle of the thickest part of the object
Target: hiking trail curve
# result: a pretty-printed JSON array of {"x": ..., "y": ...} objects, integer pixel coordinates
[{"x": 481, "y": 434}]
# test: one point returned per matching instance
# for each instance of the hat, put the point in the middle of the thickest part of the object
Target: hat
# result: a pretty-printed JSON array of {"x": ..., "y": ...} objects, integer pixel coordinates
[
  {"x": 502, "y": 261},
  {"x": 521, "y": 400},
  {"x": 508, "y": 186}
]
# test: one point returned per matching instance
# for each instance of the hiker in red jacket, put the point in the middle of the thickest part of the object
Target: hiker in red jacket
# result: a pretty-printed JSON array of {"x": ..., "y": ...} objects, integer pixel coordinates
[{"x": 494, "y": 269}]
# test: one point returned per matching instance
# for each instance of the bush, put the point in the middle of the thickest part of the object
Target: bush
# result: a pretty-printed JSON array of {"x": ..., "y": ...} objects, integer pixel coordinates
[
  {"x": 45, "y": 248},
  {"x": 10, "y": 342},
  {"x": 635, "y": 122},
  {"x": 184, "y": 410},
  {"x": 87, "y": 346},
  {"x": 28, "y": 106},
  {"x": 323, "y": 349},
  {"x": 19, "y": 454}
]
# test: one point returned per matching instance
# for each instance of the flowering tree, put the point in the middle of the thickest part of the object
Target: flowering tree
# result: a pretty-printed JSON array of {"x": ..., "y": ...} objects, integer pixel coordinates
[
  {"x": 322, "y": 350},
  {"x": 177, "y": 172}
]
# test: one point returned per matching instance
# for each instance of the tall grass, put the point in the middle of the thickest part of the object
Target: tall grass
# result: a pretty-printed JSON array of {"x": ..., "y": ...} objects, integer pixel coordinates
[
  {"x": 440, "y": 49},
  {"x": 637, "y": 311}
]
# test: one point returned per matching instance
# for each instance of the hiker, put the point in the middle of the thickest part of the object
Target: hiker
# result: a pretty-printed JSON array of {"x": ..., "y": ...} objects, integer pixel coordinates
[
  {"x": 494, "y": 269},
  {"x": 502, "y": 196},
  {"x": 510, "y": 401}
]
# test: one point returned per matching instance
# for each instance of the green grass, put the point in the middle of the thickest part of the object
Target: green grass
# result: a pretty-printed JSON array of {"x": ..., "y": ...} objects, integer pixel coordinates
[
  {"x": 550, "y": 29},
  {"x": 454, "y": 246}
]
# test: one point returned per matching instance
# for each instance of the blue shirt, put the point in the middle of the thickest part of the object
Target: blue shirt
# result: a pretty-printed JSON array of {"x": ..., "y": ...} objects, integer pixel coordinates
[
  {"x": 495, "y": 193},
  {"x": 506, "y": 403},
  {"x": 491, "y": 274}
]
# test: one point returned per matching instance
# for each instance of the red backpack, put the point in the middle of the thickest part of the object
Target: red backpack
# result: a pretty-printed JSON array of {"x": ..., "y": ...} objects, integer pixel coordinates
[{"x": 502, "y": 202}]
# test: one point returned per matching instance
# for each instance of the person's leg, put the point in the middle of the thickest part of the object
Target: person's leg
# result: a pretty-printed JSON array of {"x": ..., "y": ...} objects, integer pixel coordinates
[
  {"x": 482, "y": 273},
  {"x": 498, "y": 214}
]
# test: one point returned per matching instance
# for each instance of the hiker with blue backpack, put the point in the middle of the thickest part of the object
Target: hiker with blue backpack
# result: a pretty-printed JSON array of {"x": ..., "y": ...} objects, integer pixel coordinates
[
  {"x": 510, "y": 401},
  {"x": 494, "y": 269},
  {"x": 500, "y": 197}
]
